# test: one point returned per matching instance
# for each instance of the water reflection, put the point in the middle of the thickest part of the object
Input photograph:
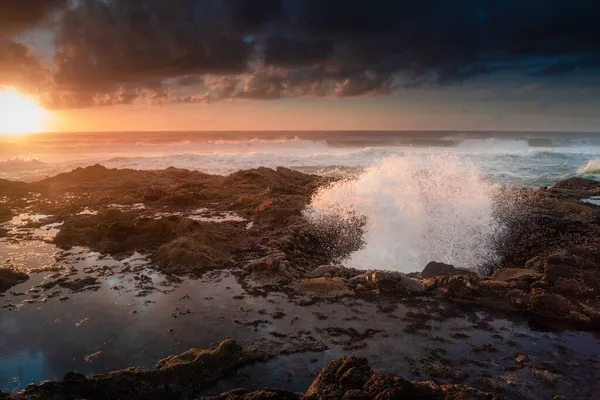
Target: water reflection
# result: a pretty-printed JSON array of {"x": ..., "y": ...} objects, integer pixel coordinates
[{"x": 135, "y": 317}]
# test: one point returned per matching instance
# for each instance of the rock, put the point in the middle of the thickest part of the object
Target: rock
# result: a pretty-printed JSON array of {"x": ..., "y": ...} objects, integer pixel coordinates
[
  {"x": 333, "y": 271},
  {"x": 10, "y": 278},
  {"x": 340, "y": 376},
  {"x": 550, "y": 304},
  {"x": 462, "y": 286},
  {"x": 516, "y": 274},
  {"x": 536, "y": 264},
  {"x": 396, "y": 282},
  {"x": 274, "y": 269},
  {"x": 79, "y": 284},
  {"x": 577, "y": 184},
  {"x": 324, "y": 287},
  {"x": 435, "y": 269},
  {"x": 539, "y": 223},
  {"x": 187, "y": 374},
  {"x": 565, "y": 265},
  {"x": 267, "y": 394},
  {"x": 496, "y": 289}
]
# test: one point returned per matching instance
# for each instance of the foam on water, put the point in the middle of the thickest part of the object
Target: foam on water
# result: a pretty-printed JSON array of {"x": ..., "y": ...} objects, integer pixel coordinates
[
  {"x": 418, "y": 209},
  {"x": 591, "y": 168}
]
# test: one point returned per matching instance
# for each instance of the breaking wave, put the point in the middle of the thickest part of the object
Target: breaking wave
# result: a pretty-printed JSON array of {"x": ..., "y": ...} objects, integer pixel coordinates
[
  {"x": 416, "y": 210},
  {"x": 591, "y": 168}
]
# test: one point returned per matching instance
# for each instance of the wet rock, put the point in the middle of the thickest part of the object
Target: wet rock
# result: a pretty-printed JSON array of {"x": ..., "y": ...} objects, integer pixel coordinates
[
  {"x": 267, "y": 394},
  {"x": 519, "y": 275},
  {"x": 324, "y": 287},
  {"x": 79, "y": 284},
  {"x": 461, "y": 286},
  {"x": 578, "y": 184},
  {"x": 565, "y": 265},
  {"x": 274, "y": 269},
  {"x": 185, "y": 375},
  {"x": 435, "y": 269},
  {"x": 333, "y": 271},
  {"x": 387, "y": 282},
  {"x": 9, "y": 278},
  {"x": 493, "y": 288},
  {"x": 551, "y": 304},
  {"x": 546, "y": 375},
  {"x": 340, "y": 376},
  {"x": 542, "y": 222}
]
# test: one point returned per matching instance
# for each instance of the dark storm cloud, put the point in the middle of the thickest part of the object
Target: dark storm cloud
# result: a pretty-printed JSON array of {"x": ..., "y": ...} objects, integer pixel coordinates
[
  {"x": 18, "y": 65},
  {"x": 208, "y": 50},
  {"x": 18, "y": 15}
]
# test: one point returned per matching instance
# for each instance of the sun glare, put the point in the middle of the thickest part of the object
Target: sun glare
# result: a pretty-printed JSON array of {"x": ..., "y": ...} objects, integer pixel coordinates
[{"x": 19, "y": 114}]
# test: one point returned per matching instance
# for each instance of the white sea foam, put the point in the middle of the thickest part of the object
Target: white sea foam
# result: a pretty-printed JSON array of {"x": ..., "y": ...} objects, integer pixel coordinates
[
  {"x": 418, "y": 209},
  {"x": 591, "y": 168}
]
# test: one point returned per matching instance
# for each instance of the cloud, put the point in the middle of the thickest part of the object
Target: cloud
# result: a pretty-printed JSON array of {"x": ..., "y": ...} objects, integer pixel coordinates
[
  {"x": 18, "y": 15},
  {"x": 211, "y": 50}
]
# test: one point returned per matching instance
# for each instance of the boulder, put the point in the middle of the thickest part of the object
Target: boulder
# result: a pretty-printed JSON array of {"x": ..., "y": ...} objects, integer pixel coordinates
[
  {"x": 324, "y": 287},
  {"x": 333, "y": 271},
  {"x": 434, "y": 269},
  {"x": 565, "y": 265},
  {"x": 339, "y": 377},
  {"x": 393, "y": 282},
  {"x": 516, "y": 274},
  {"x": 273, "y": 269},
  {"x": 550, "y": 304},
  {"x": 462, "y": 286}
]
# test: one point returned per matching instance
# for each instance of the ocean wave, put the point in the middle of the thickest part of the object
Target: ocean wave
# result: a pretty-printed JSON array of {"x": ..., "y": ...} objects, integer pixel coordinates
[
  {"x": 591, "y": 168},
  {"x": 493, "y": 146},
  {"x": 417, "y": 210},
  {"x": 16, "y": 163}
]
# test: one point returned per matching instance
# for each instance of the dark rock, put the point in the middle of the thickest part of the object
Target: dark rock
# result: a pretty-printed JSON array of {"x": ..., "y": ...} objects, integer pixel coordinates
[
  {"x": 333, "y": 271},
  {"x": 516, "y": 274},
  {"x": 577, "y": 184},
  {"x": 10, "y": 278},
  {"x": 434, "y": 269},
  {"x": 6, "y": 213},
  {"x": 387, "y": 282},
  {"x": 565, "y": 265},
  {"x": 185, "y": 375},
  {"x": 324, "y": 287},
  {"x": 340, "y": 376}
]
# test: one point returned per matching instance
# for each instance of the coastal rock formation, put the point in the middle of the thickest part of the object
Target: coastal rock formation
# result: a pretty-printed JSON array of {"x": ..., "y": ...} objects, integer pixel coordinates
[
  {"x": 545, "y": 221},
  {"x": 185, "y": 375},
  {"x": 549, "y": 252}
]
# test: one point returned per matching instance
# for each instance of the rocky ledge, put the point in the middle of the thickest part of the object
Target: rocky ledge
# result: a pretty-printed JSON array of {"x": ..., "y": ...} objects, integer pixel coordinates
[
  {"x": 549, "y": 251},
  {"x": 185, "y": 376}
]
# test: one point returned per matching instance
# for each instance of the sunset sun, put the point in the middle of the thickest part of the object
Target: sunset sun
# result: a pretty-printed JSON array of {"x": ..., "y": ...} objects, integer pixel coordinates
[{"x": 19, "y": 114}]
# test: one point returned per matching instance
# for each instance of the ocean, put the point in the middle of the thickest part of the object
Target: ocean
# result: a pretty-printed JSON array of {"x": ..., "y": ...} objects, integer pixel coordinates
[{"x": 529, "y": 159}]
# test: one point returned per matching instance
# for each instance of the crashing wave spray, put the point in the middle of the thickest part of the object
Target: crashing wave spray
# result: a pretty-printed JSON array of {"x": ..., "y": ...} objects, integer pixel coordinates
[
  {"x": 591, "y": 168},
  {"x": 417, "y": 210}
]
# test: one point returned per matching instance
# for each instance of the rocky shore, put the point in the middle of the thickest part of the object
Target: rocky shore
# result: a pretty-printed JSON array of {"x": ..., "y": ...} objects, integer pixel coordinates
[
  {"x": 550, "y": 249},
  {"x": 251, "y": 224},
  {"x": 184, "y": 376}
]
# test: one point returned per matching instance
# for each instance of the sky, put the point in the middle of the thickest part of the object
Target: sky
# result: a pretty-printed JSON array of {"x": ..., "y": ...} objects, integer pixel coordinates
[{"x": 101, "y": 65}]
